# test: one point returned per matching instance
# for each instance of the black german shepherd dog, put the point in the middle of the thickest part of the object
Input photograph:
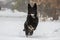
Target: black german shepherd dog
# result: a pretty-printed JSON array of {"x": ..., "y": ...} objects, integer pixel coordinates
[{"x": 32, "y": 20}]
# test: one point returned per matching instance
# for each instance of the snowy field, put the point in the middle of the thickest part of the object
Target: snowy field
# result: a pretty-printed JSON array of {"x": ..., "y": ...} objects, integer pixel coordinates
[{"x": 12, "y": 24}]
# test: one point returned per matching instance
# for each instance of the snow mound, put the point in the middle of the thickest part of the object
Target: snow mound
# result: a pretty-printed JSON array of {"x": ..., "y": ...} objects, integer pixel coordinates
[{"x": 9, "y": 12}]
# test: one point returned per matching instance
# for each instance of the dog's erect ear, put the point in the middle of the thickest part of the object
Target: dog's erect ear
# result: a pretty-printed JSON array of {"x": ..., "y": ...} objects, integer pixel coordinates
[
  {"x": 29, "y": 6},
  {"x": 35, "y": 6}
]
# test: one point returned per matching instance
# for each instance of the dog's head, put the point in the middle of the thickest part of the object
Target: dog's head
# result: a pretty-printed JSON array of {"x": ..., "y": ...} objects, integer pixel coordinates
[{"x": 32, "y": 10}]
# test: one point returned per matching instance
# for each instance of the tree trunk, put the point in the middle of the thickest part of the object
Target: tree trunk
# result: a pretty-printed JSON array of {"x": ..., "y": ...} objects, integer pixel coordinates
[{"x": 55, "y": 15}]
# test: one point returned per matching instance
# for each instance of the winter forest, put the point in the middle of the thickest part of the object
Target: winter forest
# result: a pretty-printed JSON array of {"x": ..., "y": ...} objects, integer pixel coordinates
[{"x": 14, "y": 13}]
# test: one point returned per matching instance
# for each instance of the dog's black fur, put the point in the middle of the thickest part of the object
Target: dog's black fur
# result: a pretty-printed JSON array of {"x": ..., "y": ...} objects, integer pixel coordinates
[{"x": 31, "y": 22}]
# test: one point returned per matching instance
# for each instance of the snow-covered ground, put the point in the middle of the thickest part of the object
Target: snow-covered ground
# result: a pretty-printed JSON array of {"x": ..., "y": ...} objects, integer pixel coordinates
[
  {"x": 12, "y": 24},
  {"x": 9, "y": 13}
]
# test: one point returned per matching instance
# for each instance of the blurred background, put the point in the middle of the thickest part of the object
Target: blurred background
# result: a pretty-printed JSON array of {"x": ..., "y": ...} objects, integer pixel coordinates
[{"x": 46, "y": 8}]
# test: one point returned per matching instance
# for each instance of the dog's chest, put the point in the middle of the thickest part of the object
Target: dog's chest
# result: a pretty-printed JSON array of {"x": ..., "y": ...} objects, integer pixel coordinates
[{"x": 32, "y": 20}]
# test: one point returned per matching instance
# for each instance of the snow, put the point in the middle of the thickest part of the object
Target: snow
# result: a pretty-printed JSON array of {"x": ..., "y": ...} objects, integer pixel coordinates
[
  {"x": 12, "y": 24},
  {"x": 7, "y": 12}
]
